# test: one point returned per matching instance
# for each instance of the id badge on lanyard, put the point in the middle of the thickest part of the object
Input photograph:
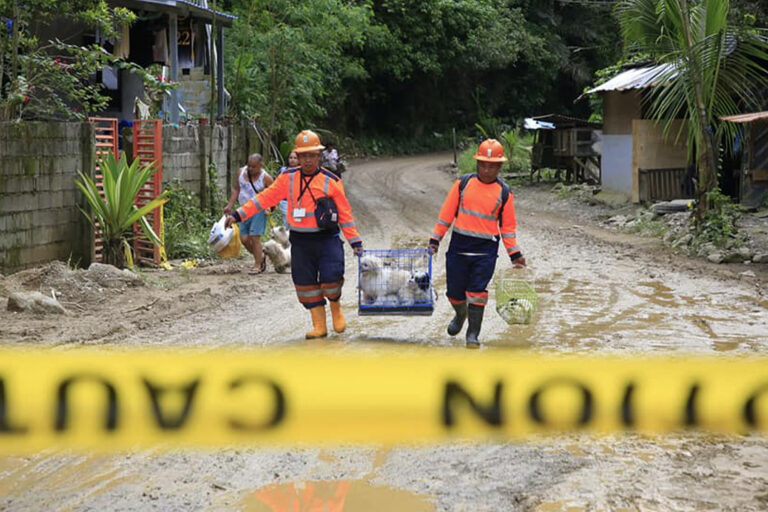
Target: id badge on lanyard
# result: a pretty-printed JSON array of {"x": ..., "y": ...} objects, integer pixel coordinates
[{"x": 300, "y": 213}]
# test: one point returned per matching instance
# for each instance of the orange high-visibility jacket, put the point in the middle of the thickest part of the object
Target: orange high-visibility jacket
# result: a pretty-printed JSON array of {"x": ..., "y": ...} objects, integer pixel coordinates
[
  {"x": 474, "y": 212},
  {"x": 289, "y": 185}
]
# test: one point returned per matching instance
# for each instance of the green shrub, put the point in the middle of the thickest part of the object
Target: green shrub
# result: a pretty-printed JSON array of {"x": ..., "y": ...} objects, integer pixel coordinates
[
  {"x": 467, "y": 163},
  {"x": 517, "y": 149},
  {"x": 186, "y": 225},
  {"x": 718, "y": 225}
]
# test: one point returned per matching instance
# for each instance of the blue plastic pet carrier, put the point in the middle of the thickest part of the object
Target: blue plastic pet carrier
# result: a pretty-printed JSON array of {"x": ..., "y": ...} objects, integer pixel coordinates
[{"x": 395, "y": 282}]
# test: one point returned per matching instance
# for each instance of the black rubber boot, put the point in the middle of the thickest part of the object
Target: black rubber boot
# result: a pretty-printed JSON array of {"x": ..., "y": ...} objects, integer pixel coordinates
[
  {"x": 458, "y": 320},
  {"x": 475, "y": 314}
]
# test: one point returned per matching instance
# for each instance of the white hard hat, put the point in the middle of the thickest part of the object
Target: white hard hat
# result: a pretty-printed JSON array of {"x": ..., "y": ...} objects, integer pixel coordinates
[{"x": 220, "y": 236}]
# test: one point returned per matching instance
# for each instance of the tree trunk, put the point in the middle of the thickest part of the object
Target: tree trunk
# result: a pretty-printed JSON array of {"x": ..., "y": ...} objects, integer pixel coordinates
[
  {"x": 707, "y": 163},
  {"x": 707, "y": 170},
  {"x": 113, "y": 253}
]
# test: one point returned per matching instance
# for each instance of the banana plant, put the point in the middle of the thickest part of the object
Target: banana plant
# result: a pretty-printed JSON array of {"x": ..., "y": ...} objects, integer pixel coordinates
[{"x": 115, "y": 209}]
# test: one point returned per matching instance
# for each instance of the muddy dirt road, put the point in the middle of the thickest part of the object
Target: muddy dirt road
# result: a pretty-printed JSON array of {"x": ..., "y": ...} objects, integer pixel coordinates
[{"x": 600, "y": 291}]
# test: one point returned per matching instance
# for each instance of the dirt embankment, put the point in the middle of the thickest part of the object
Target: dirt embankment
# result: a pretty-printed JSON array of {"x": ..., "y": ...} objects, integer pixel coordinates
[{"x": 600, "y": 291}]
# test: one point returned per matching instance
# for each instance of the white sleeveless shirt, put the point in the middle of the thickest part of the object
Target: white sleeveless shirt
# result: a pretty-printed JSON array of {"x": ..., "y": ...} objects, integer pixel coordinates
[{"x": 246, "y": 190}]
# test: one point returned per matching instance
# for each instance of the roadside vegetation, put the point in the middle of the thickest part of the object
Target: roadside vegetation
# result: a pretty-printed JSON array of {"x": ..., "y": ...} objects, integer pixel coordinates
[
  {"x": 186, "y": 225},
  {"x": 114, "y": 213}
]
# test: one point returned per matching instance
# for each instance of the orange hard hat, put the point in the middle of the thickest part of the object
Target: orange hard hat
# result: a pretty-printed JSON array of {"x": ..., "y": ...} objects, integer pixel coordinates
[
  {"x": 307, "y": 141},
  {"x": 490, "y": 150}
]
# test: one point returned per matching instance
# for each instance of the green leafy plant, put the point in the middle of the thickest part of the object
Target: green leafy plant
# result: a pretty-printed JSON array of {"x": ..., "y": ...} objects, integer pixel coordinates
[
  {"x": 466, "y": 159},
  {"x": 115, "y": 209},
  {"x": 517, "y": 149},
  {"x": 718, "y": 224},
  {"x": 186, "y": 225}
]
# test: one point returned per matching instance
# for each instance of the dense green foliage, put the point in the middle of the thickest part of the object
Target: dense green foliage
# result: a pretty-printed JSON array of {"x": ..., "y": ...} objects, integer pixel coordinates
[
  {"x": 400, "y": 74},
  {"x": 288, "y": 59},
  {"x": 438, "y": 64},
  {"x": 186, "y": 225}
]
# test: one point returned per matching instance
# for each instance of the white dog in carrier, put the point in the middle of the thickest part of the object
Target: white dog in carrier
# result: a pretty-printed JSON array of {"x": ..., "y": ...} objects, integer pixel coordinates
[
  {"x": 416, "y": 289},
  {"x": 379, "y": 283}
]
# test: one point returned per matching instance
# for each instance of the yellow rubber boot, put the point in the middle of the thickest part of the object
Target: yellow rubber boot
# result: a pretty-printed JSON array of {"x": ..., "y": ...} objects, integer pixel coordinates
[
  {"x": 318, "y": 322},
  {"x": 339, "y": 322}
]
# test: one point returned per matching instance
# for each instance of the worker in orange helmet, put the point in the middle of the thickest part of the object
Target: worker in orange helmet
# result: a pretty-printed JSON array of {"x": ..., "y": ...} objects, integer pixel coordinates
[
  {"x": 481, "y": 208},
  {"x": 318, "y": 210}
]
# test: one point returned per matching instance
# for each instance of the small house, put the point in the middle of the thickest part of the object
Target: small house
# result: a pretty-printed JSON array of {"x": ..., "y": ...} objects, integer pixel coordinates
[
  {"x": 174, "y": 34},
  {"x": 753, "y": 175},
  {"x": 638, "y": 159},
  {"x": 566, "y": 144}
]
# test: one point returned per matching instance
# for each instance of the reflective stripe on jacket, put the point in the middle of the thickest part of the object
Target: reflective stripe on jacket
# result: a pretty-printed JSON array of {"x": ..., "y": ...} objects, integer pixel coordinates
[
  {"x": 478, "y": 208},
  {"x": 289, "y": 185}
]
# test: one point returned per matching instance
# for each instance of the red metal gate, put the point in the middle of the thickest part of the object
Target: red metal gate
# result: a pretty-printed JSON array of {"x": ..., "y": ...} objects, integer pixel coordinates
[
  {"x": 148, "y": 148},
  {"x": 105, "y": 133}
]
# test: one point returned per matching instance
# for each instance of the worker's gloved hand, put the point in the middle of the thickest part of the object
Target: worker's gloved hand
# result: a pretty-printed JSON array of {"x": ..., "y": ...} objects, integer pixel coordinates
[
  {"x": 432, "y": 248},
  {"x": 519, "y": 262},
  {"x": 358, "y": 250},
  {"x": 230, "y": 220}
]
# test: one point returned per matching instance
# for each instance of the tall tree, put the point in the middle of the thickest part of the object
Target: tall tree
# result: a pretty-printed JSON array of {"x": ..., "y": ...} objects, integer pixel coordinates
[
  {"x": 713, "y": 69},
  {"x": 288, "y": 59}
]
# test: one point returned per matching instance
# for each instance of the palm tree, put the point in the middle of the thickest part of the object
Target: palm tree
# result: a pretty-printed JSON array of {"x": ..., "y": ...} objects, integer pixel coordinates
[{"x": 714, "y": 69}]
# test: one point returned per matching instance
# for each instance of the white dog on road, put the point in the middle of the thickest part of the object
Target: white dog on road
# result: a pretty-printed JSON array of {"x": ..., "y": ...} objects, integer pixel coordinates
[
  {"x": 278, "y": 255},
  {"x": 377, "y": 281},
  {"x": 280, "y": 233}
]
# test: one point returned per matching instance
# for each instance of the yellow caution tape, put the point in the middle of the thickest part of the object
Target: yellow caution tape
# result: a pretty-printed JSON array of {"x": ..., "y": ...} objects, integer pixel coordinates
[{"x": 112, "y": 400}]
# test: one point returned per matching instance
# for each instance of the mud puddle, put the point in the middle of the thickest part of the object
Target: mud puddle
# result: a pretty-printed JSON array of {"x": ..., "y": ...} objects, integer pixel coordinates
[{"x": 334, "y": 496}]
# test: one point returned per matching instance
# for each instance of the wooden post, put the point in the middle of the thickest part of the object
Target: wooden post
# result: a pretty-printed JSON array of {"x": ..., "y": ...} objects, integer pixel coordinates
[
  {"x": 173, "y": 31},
  {"x": 220, "y": 70}
]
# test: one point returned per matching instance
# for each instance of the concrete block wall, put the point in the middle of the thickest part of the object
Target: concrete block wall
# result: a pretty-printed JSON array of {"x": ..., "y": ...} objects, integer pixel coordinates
[
  {"x": 194, "y": 92},
  {"x": 40, "y": 218},
  {"x": 186, "y": 150},
  {"x": 183, "y": 156}
]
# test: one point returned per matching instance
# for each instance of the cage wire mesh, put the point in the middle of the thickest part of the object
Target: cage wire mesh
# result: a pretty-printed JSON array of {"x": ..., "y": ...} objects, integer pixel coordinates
[
  {"x": 516, "y": 300},
  {"x": 395, "y": 282}
]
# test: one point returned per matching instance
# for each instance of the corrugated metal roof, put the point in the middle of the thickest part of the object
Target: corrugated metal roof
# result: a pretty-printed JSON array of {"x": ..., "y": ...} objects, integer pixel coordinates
[
  {"x": 638, "y": 78},
  {"x": 746, "y": 118},
  {"x": 561, "y": 121},
  {"x": 196, "y": 7},
  {"x": 200, "y": 4}
]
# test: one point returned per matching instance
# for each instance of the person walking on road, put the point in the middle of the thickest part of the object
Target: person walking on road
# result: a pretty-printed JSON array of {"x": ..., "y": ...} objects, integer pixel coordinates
[
  {"x": 251, "y": 180},
  {"x": 317, "y": 210},
  {"x": 481, "y": 208},
  {"x": 293, "y": 162}
]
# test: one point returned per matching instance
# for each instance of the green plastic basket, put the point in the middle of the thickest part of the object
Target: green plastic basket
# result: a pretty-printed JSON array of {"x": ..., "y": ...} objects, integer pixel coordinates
[{"x": 516, "y": 301}]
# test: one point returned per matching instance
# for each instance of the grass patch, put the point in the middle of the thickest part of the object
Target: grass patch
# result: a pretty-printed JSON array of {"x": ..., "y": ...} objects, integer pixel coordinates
[{"x": 648, "y": 225}]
